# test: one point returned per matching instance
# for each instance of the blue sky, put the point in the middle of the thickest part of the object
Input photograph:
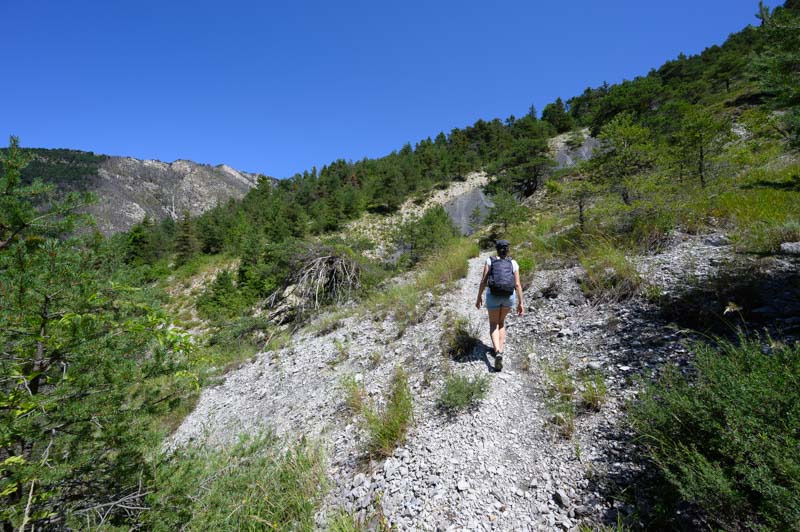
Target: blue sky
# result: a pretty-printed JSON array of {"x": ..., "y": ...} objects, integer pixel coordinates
[{"x": 276, "y": 87}]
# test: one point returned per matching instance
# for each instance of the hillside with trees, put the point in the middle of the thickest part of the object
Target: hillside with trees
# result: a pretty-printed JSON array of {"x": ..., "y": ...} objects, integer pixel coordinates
[{"x": 118, "y": 351}]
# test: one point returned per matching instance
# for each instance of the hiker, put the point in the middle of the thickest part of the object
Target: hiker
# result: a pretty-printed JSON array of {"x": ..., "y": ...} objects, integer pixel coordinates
[{"x": 501, "y": 275}]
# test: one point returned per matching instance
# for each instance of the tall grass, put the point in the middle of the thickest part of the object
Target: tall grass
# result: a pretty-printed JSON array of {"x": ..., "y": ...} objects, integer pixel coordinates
[
  {"x": 448, "y": 265},
  {"x": 560, "y": 389},
  {"x": 593, "y": 390},
  {"x": 256, "y": 484},
  {"x": 609, "y": 276},
  {"x": 355, "y": 395},
  {"x": 387, "y": 426}
]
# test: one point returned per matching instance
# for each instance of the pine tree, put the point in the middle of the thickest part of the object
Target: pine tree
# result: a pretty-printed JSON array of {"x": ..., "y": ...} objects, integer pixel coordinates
[
  {"x": 186, "y": 245},
  {"x": 556, "y": 114},
  {"x": 71, "y": 345},
  {"x": 701, "y": 138},
  {"x": 627, "y": 149},
  {"x": 506, "y": 210},
  {"x": 776, "y": 66}
]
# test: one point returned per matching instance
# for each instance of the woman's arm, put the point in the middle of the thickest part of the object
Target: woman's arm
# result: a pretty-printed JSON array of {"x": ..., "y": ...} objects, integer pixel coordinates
[
  {"x": 482, "y": 287},
  {"x": 518, "y": 288}
]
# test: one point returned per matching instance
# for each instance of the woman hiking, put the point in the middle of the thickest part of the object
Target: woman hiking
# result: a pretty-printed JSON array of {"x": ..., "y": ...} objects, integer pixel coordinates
[{"x": 501, "y": 275}]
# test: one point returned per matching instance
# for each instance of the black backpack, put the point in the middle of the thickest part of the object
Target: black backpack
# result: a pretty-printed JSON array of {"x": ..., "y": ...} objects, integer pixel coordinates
[{"x": 501, "y": 277}]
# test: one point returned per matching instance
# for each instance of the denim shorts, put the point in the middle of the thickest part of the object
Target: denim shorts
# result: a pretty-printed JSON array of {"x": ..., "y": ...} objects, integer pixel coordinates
[{"x": 495, "y": 302}]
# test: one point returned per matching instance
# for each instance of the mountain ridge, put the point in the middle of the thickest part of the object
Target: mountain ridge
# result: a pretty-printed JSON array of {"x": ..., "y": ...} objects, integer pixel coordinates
[{"x": 129, "y": 189}]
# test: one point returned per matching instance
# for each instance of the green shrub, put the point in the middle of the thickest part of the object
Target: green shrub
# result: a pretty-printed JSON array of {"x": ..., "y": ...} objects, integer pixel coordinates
[
  {"x": 610, "y": 276},
  {"x": 461, "y": 392},
  {"x": 458, "y": 338},
  {"x": 526, "y": 264},
  {"x": 727, "y": 440},
  {"x": 387, "y": 427},
  {"x": 253, "y": 485}
]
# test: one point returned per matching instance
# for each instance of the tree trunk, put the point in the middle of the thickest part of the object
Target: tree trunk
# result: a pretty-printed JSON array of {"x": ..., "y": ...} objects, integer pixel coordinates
[{"x": 702, "y": 167}]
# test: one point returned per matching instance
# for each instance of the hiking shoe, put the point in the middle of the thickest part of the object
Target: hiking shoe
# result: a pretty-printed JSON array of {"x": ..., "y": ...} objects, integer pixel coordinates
[{"x": 498, "y": 362}]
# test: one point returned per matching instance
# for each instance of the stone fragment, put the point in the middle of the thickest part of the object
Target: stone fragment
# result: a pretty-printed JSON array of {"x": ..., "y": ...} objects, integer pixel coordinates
[
  {"x": 790, "y": 248},
  {"x": 561, "y": 497},
  {"x": 463, "y": 485}
]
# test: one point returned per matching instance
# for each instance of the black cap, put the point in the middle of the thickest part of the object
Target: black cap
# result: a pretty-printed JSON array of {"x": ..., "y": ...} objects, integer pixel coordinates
[{"x": 502, "y": 244}]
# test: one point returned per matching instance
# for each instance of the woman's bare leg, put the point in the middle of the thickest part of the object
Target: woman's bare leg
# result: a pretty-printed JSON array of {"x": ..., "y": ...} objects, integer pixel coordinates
[
  {"x": 501, "y": 327},
  {"x": 494, "y": 332}
]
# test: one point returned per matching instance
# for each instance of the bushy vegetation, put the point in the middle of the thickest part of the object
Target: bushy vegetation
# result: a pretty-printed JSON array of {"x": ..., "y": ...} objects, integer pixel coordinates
[
  {"x": 255, "y": 484},
  {"x": 86, "y": 363},
  {"x": 609, "y": 276},
  {"x": 726, "y": 437},
  {"x": 462, "y": 392},
  {"x": 420, "y": 238}
]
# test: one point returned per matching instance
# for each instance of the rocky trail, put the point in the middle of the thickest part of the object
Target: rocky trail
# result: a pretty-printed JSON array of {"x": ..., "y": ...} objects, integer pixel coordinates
[{"x": 501, "y": 466}]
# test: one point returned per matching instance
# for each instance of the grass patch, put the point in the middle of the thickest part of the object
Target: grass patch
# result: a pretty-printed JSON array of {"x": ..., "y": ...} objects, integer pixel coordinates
[
  {"x": 373, "y": 521},
  {"x": 200, "y": 264},
  {"x": 594, "y": 391},
  {"x": 461, "y": 392},
  {"x": 560, "y": 390},
  {"x": 342, "y": 353},
  {"x": 253, "y": 485},
  {"x": 459, "y": 337},
  {"x": 231, "y": 344},
  {"x": 547, "y": 241},
  {"x": 562, "y": 415},
  {"x": 327, "y": 324},
  {"x": 404, "y": 301},
  {"x": 449, "y": 265},
  {"x": 408, "y": 302},
  {"x": 560, "y": 384},
  {"x": 727, "y": 439},
  {"x": 609, "y": 276},
  {"x": 354, "y": 394},
  {"x": 387, "y": 426}
]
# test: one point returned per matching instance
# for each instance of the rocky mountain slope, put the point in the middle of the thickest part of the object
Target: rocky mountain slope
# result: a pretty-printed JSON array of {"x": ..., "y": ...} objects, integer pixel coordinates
[
  {"x": 503, "y": 465},
  {"x": 129, "y": 189}
]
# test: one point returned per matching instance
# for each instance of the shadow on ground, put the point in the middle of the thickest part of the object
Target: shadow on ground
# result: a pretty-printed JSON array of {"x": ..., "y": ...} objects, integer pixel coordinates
[
  {"x": 479, "y": 353},
  {"x": 757, "y": 296}
]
